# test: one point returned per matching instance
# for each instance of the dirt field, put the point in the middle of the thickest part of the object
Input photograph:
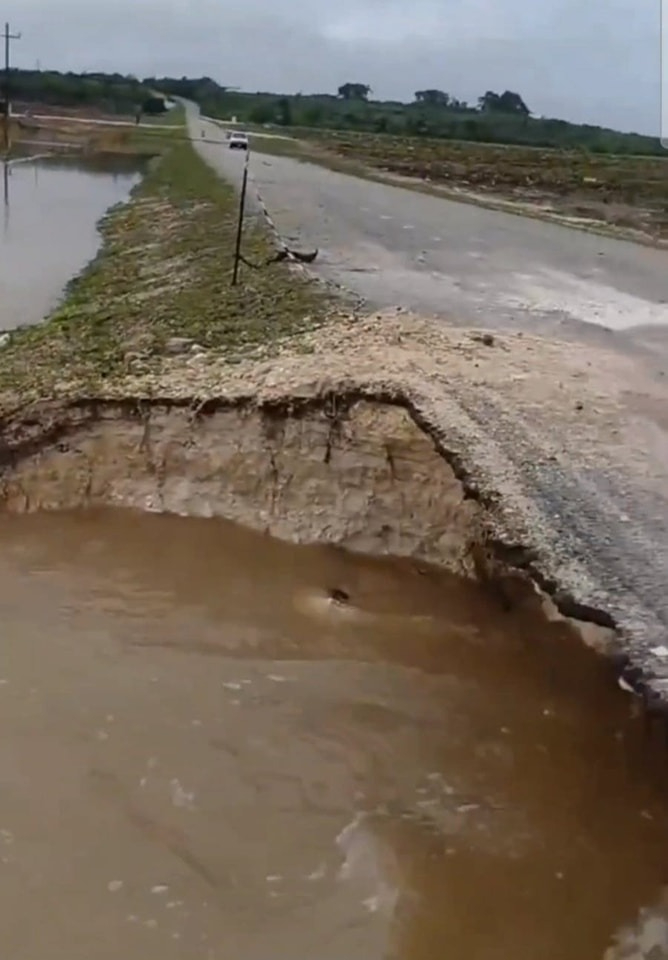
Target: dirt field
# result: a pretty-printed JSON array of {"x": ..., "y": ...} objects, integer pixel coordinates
[
  {"x": 56, "y": 110},
  {"x": 90, "y": 138},
  {"x": 626, "y": 192}
]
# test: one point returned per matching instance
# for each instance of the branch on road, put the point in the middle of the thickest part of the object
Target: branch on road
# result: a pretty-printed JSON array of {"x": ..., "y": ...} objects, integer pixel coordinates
[{"x": 280, "y": 256}]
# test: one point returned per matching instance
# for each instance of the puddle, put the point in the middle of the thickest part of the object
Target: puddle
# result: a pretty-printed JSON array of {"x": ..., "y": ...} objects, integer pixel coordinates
[
  {"x": 195, "y": 763},
  {"x": 48, "y": 229}
]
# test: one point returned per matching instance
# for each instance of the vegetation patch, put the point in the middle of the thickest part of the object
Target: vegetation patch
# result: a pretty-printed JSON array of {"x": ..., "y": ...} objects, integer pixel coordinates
[
  {"x": 163, "y": 272},
  {"x": 95, "y": 93}
]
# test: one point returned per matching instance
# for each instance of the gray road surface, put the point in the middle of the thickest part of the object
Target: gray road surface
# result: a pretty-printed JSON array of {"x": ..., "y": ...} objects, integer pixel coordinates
[
  {"x": 395, "y": 246},
  {"x": 604, "y": 506}
]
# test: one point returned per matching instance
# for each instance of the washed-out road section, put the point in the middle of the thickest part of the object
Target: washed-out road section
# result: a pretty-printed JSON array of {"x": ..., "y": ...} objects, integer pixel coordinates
[{"x": 598, "y": 492}]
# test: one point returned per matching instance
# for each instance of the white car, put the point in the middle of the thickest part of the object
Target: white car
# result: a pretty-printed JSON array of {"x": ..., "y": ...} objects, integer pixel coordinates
[{"x": 238, "y": 141}]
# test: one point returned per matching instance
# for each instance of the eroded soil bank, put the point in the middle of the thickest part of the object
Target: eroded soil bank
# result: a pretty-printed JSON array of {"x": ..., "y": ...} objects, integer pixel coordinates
[
  {"x": 382, "y": 455},
  {"x": 346, "y": 470}
]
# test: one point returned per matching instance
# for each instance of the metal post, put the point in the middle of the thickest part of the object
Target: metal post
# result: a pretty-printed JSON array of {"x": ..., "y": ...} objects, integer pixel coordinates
[
  {"x": 5, "y": 211},
  {"x": 8, "y": 37},
  {"x": 240, "y": 224}
]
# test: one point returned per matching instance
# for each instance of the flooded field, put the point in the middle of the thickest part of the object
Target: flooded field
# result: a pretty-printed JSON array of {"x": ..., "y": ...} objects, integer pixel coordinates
[
  {"x": 48, "y": 231},
  {"x": 200, "y": 761}
]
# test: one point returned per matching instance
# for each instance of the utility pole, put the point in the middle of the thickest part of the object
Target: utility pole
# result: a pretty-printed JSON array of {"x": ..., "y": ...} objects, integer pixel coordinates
[{"x": 8, "y": 38}]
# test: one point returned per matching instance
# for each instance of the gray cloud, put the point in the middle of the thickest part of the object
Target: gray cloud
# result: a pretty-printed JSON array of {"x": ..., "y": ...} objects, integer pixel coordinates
[{"x": 596, "y": 62}]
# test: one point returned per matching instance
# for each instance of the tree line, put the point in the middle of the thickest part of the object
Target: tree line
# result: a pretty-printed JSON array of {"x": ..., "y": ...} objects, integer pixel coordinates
[
  {"x": 507, "y": 102},
  {"x": 496, "y": 117},
  {"x": 111, "y": 92}
]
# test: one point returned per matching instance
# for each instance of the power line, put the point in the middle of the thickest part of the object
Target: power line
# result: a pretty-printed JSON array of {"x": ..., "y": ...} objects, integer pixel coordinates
[{"x": 8, "y": 38}]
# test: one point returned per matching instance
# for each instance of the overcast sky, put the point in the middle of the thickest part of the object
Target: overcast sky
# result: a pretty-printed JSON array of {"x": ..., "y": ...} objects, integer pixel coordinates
[{"x": 592, "y": 61}]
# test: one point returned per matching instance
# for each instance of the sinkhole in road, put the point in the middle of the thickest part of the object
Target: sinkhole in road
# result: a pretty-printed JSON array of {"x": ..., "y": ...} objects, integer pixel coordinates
[{"x": 238, "y": 761}]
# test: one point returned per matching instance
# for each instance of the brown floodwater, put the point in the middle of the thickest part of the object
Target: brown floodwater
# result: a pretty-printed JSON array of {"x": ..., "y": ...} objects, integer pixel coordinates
[{"x": 194, "y": 764}]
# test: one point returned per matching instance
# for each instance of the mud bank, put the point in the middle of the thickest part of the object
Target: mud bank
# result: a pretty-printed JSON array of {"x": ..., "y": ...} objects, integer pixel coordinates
[
  {"x": 361, "y": 470},
  {"x": 508, "y": 458},
  {"x": 343, "y": 469}
]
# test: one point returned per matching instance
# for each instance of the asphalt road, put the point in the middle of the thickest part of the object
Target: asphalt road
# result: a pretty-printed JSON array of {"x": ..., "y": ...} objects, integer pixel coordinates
[
  {"x": 394, "y": 246},
  {"x": 599, "y": 500}
]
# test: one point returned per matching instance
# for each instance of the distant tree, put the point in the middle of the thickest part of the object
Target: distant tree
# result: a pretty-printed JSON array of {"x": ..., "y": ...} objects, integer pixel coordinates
[
  {"x": 313, "y": 115},
  {"x": 354, "y": 91},
  {"x": 488, "y": 102},
  {"x": 434, "y": 98},
  {"x": 283, "y": 112},
  {"x": 262, "y": 113},
  {"x": 154, "y": 106},
  {"x": 510, "y": 102},
  {"x": 417, "y": 127},
  {"x": 506, "y": 102}
]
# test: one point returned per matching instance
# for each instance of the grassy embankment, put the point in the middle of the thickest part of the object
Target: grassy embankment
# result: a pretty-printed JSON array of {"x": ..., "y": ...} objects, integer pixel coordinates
[
  {"x": 163, "y": 271},
  {"x": 617, "y": 192}
]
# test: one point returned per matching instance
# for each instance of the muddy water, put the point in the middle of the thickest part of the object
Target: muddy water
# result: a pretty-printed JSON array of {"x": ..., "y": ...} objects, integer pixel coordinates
[
  {"x": 48, "y": 230},
  {"x": 193, "y": 765}
]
